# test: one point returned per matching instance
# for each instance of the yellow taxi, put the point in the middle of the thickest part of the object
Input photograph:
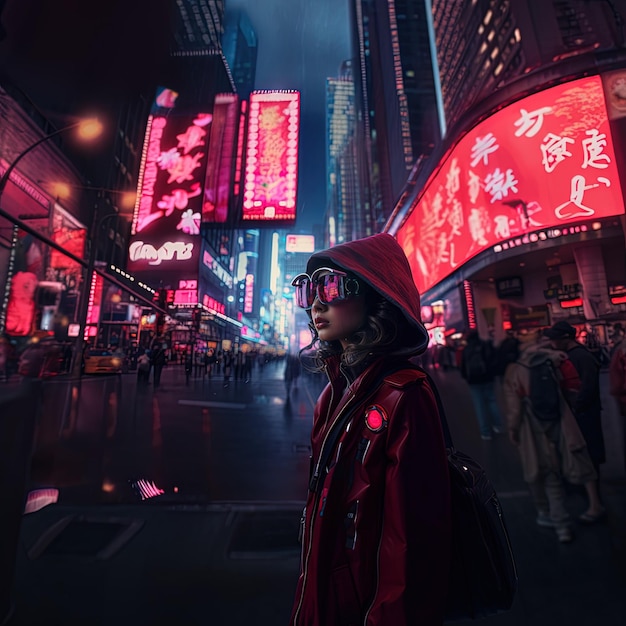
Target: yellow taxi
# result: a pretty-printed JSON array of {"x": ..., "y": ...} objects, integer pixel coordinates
[{"x": 102, "y": 361}]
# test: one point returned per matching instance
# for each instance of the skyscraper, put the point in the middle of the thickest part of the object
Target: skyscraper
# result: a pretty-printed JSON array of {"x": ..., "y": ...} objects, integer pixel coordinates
[
  {"x": 345, "y": 218},
  {"x": 240, "y": 49},
  {"x": 395, "y": 95}
]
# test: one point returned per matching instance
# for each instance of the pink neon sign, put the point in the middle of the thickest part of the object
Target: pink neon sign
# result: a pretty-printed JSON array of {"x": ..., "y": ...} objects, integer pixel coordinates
[
  {"x": 543, "y": 162},
  {"x": 271, "y": 175},
  {"x": 219, "y": 171},
  {"x": 166, "y": 222},
  {"x": 94, "y": 305}
]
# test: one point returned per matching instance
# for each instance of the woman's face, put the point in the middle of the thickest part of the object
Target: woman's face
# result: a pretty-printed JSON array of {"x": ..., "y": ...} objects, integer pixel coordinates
[{"x": 339, "y": 320}]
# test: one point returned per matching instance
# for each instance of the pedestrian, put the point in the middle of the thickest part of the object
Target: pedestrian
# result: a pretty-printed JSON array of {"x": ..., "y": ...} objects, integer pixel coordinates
[
  {"x": 209, "y": 361},
  {"x": 376, "y": 527},
  {"x": 228, "y": 366},
  {"x": 550, "y": 443},
  {"x": 188, "y": 365},
  {"x": 507, "y": 352},
  {"x": 586, "y": 405},
  {"x": 293, "y": 369},
  {"x": 143, "y": 369},
  {"x": 478, "y": 368},
  {"x": 158, "y": 358}
]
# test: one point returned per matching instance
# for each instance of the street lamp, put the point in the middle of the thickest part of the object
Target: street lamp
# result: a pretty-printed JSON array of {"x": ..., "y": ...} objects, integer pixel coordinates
[{"x": 88, "y": 130}]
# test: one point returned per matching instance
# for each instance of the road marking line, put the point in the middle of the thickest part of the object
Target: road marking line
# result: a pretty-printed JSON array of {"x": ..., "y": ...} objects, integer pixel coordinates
[{"x": 214, "y": 405}]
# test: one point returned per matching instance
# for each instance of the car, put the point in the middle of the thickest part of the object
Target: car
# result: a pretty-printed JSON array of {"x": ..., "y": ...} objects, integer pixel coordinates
[{"x": 102, "y": 361}]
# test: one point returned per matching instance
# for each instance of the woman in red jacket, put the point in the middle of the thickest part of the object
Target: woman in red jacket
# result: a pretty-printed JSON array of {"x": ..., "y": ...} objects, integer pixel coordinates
[{"x": 376, "y": 527}]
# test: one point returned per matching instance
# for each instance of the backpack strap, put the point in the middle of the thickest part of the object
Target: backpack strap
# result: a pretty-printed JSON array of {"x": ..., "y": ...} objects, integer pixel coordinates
[{"x": 405, "y": 373}]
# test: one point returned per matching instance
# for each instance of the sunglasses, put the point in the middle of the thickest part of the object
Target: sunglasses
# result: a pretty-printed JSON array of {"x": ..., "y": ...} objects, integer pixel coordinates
[{"x": 330, "y": 287}]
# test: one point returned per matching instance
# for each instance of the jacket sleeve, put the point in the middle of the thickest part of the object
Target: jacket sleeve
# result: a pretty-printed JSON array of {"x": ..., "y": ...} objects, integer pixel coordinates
[{"x": 414, "y": 546}]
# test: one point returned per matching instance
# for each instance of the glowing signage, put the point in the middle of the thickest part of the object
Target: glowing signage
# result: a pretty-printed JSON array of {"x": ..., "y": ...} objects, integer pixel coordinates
[
  {"x": 248, "y": 294},
  {"x": 271, "y": 174},
  {"x": 469, "y": 305},
  {"x": 167, "y": 217},
  {"x": 213, "y": 264},
  {"x": 93, "y": 305},
  {"x": 213, "y": 305},
  {"x": 300, "y": 243},
  {"x": 239, "y": 157},
  {"x": 545, "y": 161},
  {"x": 72, "y": 240},
  {"x": 187, "y": 292},
  {"x": 170, "y": 250},
  {"x": 21, "y": 304},
  {"x": 219, "y": 172}
]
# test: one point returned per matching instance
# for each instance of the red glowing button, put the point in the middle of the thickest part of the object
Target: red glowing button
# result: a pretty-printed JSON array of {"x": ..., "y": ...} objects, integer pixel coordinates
[{"x": 375, "y": 419}]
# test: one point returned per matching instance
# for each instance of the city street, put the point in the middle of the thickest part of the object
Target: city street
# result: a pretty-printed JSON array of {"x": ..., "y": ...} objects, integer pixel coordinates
[{"x": 219, "y": 546}]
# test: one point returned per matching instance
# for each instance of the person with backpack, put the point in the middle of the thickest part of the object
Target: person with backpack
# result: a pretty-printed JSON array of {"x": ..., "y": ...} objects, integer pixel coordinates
[
  {"x": 478, "y": 369},
  {"x": 542, "y": 427},
  {"x": 586, "y": 405},
  {"x": 376, "y": 530}
]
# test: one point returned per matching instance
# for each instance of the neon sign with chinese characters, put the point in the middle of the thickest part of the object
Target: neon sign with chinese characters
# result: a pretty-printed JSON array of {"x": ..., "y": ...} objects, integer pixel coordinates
[
  {"x": 166, "y": 221},
  {"x": 271, "y": 176},
  {"x": 545, "y": 161}
]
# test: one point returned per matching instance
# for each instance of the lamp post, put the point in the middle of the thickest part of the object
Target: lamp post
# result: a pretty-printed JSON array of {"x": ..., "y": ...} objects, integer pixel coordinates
[{"x": 88, "y": 129}]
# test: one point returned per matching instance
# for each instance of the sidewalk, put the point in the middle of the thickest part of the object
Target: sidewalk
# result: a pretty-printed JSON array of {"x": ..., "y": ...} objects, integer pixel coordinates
[{"x": 233, "y": 560}]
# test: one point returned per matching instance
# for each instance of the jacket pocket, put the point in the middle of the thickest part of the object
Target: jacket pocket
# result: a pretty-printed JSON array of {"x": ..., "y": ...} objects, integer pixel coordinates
[{"x": 347, "y": 605}]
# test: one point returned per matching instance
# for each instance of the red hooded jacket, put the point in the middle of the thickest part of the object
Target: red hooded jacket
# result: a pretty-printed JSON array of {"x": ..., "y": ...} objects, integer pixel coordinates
[{"x": 376, "y": 527}]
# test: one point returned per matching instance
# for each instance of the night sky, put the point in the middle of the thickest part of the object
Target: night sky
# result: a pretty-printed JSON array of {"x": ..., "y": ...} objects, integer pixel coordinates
[
  {"x": 300, "y": 44},
  {"x": 72, "y": 50}
]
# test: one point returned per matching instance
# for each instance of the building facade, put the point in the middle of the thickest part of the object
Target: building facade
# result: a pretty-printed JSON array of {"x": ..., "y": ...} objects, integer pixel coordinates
[{"x": 516, "y": 220}]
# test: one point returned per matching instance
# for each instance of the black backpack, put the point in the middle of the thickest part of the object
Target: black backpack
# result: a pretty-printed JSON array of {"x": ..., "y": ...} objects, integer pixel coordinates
[{"x": 544, "y": 394}]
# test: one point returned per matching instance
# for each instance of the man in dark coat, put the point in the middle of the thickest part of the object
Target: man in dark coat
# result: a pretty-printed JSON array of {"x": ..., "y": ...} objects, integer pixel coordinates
[{"x": 478, "y": 369}]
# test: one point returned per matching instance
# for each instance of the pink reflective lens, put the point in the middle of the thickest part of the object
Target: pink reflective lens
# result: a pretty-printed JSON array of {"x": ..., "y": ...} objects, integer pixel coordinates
[{"x": 328, "y": 288}]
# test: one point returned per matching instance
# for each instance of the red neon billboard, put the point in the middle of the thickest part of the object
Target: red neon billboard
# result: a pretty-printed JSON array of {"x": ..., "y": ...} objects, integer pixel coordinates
[
  {"x": 271, "y": 174},
  {"x": 166, "y": 221},
  {"x": 220, "y": 160},
  {"x": 543, "y": 162}
]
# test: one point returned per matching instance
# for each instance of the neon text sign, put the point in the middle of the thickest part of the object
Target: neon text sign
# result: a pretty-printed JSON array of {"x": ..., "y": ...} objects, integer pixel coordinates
[{"x": 542, "y": 162}]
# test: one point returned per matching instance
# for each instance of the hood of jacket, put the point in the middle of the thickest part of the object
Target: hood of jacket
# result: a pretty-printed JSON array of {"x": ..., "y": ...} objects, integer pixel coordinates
[{"x": 379, "y": 261}]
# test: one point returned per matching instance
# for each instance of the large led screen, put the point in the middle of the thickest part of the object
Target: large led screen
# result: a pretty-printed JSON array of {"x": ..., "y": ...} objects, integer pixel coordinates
[
  {"x": 543, "y": 162},
  {"x": 166, "y": 222},
  {"x": 271, "y": 171}
]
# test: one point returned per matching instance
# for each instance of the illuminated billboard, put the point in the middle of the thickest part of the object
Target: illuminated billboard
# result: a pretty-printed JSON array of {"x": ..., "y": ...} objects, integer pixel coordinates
[
  {"x": 166, "y": 221},
  {"x": 300, "y": 243},
  {"x": 543, "y": 162},
  {"x": 271, "y": 170},
  {"x": 220, "y": 160}
]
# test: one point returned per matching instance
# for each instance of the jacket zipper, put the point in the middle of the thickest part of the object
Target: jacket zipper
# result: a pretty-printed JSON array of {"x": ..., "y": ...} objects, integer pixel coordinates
[{"x": 305, "y": 569}]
